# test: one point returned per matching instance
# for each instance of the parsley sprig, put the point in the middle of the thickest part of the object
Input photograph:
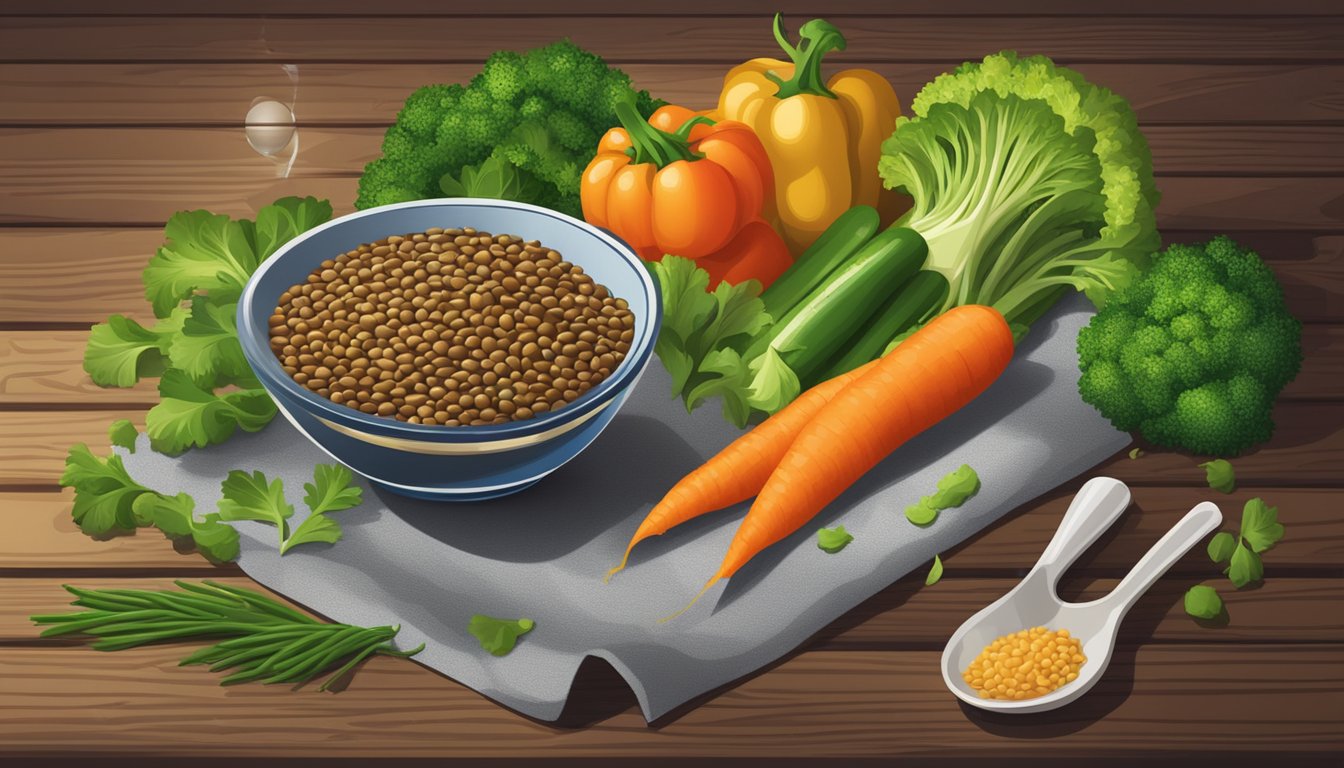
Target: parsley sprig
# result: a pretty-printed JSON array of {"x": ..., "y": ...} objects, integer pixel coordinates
[
  {"x": 267, "y": 641},
  {"x": 193, "y": 282}
]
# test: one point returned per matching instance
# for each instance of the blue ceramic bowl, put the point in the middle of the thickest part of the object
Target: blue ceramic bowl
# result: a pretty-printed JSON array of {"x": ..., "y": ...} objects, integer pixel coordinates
[{"x": 438, "y": 462}]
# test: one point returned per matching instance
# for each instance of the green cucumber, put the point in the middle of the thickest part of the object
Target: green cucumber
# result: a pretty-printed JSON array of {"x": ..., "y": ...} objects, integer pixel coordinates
[
  {"x": 914, "y": 304},
  {"x": 806, "y": 338},
  {"x": 847, "y": 234}
]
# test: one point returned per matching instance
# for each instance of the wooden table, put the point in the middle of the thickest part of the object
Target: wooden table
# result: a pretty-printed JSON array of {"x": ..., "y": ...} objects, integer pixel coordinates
[{"x": 112, "y": 121}]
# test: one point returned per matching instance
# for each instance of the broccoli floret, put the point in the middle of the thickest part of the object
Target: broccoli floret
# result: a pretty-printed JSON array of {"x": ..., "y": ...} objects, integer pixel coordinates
[
  {"x": 542, "y": 110},
  {"x": 1193, "y": 354}
]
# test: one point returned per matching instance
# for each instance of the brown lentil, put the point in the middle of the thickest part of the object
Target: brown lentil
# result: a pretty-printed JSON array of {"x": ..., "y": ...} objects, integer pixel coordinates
[{"x": 450, "y": 327}]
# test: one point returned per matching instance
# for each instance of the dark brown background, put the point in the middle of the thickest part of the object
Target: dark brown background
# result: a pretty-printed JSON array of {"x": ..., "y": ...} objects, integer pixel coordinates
[{"x": 112, "y": 121}]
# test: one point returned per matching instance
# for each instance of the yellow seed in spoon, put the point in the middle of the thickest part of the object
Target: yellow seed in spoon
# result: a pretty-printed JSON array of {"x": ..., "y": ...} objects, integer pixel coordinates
[{"x": 1026, "y": 664}]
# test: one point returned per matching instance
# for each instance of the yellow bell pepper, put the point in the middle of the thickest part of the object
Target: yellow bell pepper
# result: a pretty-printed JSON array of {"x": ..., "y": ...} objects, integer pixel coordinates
[{"x": 823, "y": 137}]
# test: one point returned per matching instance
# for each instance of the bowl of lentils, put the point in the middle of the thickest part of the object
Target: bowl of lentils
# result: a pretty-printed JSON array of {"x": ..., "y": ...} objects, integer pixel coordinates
[{"x": 456, "y": 349}]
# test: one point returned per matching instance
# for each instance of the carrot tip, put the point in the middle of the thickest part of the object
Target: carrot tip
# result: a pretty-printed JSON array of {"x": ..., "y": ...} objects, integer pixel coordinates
[{"x": 694, "y": 600}]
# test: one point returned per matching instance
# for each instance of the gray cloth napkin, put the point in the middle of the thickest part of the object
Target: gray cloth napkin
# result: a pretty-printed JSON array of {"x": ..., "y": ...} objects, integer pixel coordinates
[{"x": 542, "y": 553}]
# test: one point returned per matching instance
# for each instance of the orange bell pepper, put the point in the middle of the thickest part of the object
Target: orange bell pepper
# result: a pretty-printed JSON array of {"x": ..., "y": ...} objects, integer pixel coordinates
[
  {"x": 757, "y": 253},
  {"x": 687, "y": 191}
]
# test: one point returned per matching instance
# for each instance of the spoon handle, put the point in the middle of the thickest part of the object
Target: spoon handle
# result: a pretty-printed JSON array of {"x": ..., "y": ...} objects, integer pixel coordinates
[
  {"x": 1196, "y": 524},
  {"x": 1097, "y": 506}
]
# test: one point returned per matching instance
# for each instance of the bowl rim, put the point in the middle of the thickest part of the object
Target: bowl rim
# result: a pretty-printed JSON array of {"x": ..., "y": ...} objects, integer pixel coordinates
[{"x": 256, "y": 341}]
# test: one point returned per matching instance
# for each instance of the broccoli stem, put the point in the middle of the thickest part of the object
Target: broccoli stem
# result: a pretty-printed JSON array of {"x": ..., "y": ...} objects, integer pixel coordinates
[
  {"x": 816, "y": 38},
  {"x": 649, "y": 144}
]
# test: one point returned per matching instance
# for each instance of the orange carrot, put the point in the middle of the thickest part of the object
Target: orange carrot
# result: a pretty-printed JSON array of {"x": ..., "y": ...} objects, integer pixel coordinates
[
  {"x": 931, "y": 375},
  {"x": 737, "y": 472}
]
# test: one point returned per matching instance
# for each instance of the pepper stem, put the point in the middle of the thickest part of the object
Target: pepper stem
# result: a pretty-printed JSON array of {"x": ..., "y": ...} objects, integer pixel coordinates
[
  {"x": 816, "y": 38},
  {"x": 649, "y": 144}
]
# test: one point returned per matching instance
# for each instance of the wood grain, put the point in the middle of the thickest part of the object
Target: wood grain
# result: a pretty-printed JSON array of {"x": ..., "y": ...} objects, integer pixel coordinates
[
  {"x": 884, "y": 703},
  {"x": 102, "y": 268},
  {"x": 670, "y": 38},
  {"x": 1307, "y": 449},
  {"x": 687, "y": 7},
  {"x": 44, "y": 369},
  {"x": 906, "y": 616},
  {"x": 359, "y": 94},
  {"x": 42, "y": 539},
  {"x": 41, "y": 536},
  {"x": 144, "y": 174},
  {"x": 141, "y": 176}
]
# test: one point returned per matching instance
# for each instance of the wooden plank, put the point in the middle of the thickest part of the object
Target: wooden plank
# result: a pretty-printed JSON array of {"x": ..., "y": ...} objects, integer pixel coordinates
[
  {"x": 47, "y": 367},
  {"x": 1307, "y": 448},
  {"x": 44, "y": 369},
  {"x": 102, "y": 267},
  {"x": 1154, "y": 701},
  {"x": 360, "y": 94},
  {"x": 59, "y": 176},
  {"x": 43, "y": 540},
  {"x": 41, "y": 536},
  {"x": 674, "y": 38},
  {"x": 687, "y": 7},
  {"x": 907, "y": 616}
]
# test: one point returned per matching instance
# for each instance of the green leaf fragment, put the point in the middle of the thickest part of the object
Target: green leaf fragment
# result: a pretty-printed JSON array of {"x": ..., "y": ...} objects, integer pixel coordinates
[
  {"x": 104, "y": 492},
  {"x": 1220, "y": 474},
  {"x": 1221, "y": 547},
  {"x": 191, "y": 416},
  {"x": 498, "y": 636},
  {"x": 314, "y": 528},
  {"x": 176, "y": 517},
  {"x": 122, "y": 434},
  {"x": 1245, "y": 566},
  {"x": 253, "y": 497},
  {"x": 954, "y": 489},
  {"x": 120, "y": 351},
  {"x": 1260, "y": 527},
  {"x": 331, "y": 490},
  {"x": 922, "y": 512},
  {"x": 1203, "y": 602},
  {"x": 935, "y": 572},
  {"x": 207, "y": 348},
  {"x": 833, "y": 540},
  {"x": 1135, "y": 453}
]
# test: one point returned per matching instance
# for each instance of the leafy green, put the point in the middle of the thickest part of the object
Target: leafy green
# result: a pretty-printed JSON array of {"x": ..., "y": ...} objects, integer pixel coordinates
[
  {"x": 953, "y": 490},
  {"x": 121, "y": 351},
  {"x": 1221, "y": 546},
  {"x": 1203, "y": 602},
  {"x": 1193, "y": 355},
  {"x": 1220, "y": 475},
  {"x": 253, "y": 497},
  {"x": 330, "y": 491},
  {"x": 833, "y": 540},
  {"x": 703, "y": 334},
  {"x": 268, "y": 640},
  {"x": 1260, "y": 531},
  {"x": 1260, "y": 527},
  {"x": 524, "y": 127},
  {"x": 193, "y": 283},
  {"x": 1135, "y": 453},
  {"x": 207, "y": 348},
  {"x": 122, "y": 433},
  {"x": 498, "y": 636},
  {"x": 176, "y": 517},
  {"x": 1066, "y": 203},
  {"x": 188, "y": 415},
  {"x": 104, "y": 492},
  {"x": 935, "y": 572}
]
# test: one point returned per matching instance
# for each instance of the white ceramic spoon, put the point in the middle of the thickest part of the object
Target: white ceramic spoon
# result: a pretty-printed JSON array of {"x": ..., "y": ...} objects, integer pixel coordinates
[{"x": 1034, "y": 603}]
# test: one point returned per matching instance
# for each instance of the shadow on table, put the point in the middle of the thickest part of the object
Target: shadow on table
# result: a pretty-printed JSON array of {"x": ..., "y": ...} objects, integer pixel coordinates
[{"x": 630, "y": 465}]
